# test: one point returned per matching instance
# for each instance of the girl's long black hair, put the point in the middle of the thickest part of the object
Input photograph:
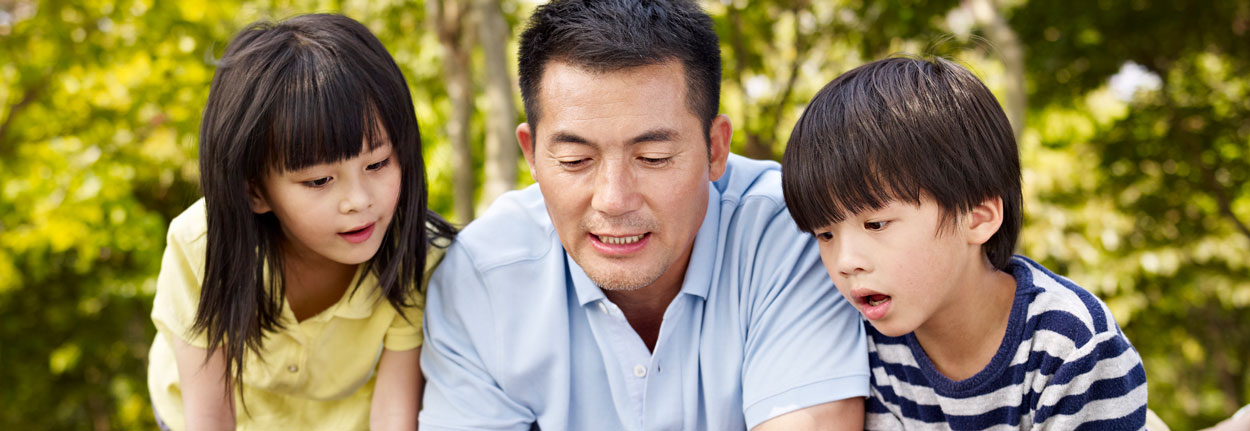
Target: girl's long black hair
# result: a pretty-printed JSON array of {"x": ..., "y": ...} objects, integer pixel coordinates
[{"x": 286, "y": 96}]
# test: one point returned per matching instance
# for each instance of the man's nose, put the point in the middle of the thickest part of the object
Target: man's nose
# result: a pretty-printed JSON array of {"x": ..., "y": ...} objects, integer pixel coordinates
[{"x": 616, "y": 188}]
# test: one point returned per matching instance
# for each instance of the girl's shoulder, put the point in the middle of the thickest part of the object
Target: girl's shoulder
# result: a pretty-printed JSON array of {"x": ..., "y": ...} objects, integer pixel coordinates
[{"x": 191, "y": 226}]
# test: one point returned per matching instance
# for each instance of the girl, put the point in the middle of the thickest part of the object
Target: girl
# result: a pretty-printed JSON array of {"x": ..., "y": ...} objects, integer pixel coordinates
[{"x": 292, "y": 287}]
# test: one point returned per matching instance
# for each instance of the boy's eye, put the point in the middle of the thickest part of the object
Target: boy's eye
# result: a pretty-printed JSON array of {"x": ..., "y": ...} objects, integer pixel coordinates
[
  {"x": 379, "y": 165},
  {"x": 875, "y": 225},
  {"x": 317, "y": 182},
  {"x": 824, "y": 236}
]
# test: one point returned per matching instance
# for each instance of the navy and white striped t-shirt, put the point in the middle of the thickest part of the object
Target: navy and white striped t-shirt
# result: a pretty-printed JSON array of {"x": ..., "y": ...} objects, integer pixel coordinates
[{"x": 1063, "y": 364}]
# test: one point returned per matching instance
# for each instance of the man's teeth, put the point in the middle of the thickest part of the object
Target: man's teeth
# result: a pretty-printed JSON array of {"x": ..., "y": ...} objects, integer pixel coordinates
[
  {"x": 620, "y": 240},
  {"x": 875, "y": 300}
]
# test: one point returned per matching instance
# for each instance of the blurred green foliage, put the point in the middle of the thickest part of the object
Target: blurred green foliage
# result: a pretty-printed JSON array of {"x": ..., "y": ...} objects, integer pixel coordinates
[{"x": 1139, "y": 191}]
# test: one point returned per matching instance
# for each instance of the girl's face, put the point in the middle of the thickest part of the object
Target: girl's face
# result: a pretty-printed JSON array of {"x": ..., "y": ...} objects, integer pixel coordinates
[{"x": 335, "y": 212}]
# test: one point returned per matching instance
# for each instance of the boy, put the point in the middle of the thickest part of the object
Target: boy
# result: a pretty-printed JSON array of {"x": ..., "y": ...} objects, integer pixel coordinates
[{"x": 907, "y": 173}]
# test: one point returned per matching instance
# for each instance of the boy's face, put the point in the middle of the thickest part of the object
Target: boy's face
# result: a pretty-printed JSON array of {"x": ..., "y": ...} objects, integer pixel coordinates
[{"x": 899, "y": 265}]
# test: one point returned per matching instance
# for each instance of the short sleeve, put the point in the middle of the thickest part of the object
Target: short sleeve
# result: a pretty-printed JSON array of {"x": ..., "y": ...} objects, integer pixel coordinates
[
  {"x": 460, "y": 392},
  {"x": 805, "y": 344},
  {"x": 405, "y": 331},
  {"x": 181, "y": 276}
]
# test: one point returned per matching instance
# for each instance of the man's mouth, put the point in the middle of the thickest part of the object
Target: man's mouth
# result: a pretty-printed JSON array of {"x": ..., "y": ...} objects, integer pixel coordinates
[{"x": 620, "y": 240}]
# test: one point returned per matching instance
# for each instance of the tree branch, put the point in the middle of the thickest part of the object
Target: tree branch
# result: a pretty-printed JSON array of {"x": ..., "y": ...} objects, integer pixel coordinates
[{"x": 28, "y": 97}]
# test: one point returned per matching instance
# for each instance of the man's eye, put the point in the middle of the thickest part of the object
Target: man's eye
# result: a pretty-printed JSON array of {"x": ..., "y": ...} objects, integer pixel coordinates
[
  {"x": 318, "y": 182},
  {"x": 875, "y": 225},
  {"x": 379, "y": 165},
  {"x": 576, "y": 163},
  {"x": 655, "y": 161}
]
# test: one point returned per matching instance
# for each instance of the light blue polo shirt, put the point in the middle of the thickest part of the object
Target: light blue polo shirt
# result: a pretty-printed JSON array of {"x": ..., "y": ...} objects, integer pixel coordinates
[{"x": 516, "y": 335}]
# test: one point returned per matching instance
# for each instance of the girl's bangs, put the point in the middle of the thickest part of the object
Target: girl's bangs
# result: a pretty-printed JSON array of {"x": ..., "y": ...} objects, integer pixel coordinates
[{"x": 320, "y": 114}]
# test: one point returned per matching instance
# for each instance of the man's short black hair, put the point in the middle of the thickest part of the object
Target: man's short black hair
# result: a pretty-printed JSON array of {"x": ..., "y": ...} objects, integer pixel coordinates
[
  {"x": 610, "y": 35},
  {"x": 899, "y": 129}
]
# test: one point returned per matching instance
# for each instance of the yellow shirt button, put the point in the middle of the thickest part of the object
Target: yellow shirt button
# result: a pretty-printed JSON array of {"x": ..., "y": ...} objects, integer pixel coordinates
[{"x": 292, "y": 368}]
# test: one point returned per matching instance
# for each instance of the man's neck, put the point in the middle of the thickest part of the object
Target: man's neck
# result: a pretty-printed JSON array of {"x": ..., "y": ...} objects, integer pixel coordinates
[{"x": 644, "y": 308}]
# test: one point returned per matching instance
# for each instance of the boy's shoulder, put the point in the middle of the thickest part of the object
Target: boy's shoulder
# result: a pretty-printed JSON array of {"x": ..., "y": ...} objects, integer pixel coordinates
[{"x": 1060, "y": 314}]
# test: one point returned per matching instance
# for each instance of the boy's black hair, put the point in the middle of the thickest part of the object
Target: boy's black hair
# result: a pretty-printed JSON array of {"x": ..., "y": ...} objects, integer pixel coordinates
[
  {"x": 611, "y": 35},
  {"x": 900, "y": 129},
  {"x": 285, "y": 96}
]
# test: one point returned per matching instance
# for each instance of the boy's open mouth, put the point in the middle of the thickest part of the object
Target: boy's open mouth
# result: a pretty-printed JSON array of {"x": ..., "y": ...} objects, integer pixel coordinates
[{"x": 874, "y": 300}]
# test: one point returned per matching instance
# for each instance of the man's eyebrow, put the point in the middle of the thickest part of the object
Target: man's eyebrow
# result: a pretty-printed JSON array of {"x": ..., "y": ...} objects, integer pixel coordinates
[
  {"x": 655, "y": 135},
  {"x": 566, "y": 137}
]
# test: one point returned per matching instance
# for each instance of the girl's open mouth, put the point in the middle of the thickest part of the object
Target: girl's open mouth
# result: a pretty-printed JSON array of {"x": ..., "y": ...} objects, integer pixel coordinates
[{"x": 359, "y": 235}]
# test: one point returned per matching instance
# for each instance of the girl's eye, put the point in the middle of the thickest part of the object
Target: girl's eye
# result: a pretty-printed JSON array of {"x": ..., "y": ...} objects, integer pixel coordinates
[
  {"x": 379, "y": 165},
  {"x": 317, "y": 182},
  {"x": 651, "y": 161},
  {"x": 824, "y": 236},
  {"x": 875, "y": 225}
]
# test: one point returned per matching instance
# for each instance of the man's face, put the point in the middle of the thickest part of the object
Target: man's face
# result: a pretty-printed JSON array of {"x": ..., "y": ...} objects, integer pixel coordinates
[{"x": 623, "y": 166}]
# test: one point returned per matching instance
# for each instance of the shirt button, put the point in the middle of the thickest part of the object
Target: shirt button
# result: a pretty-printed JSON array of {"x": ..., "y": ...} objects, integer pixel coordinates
[
  {"x": 292, "y": 368},
  {"x": 603, "y": 308},
  {"x": 640, "y": 371}
]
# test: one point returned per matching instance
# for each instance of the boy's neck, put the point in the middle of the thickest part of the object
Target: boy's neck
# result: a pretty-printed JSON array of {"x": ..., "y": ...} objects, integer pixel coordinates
[{"x": 962, "y": 339}]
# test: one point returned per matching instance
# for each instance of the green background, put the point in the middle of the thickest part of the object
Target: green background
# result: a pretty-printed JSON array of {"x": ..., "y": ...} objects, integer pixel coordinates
[{"x": 1134, "y": 132}]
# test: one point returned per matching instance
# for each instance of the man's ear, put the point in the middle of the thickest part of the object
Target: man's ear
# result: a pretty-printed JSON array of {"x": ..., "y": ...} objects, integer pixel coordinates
[
  {"x": 525, "y": 138},
  {"x": 260, "y": 204},
  {"x": 718, "y": 146},
  {"x": 984, "y": 220}
]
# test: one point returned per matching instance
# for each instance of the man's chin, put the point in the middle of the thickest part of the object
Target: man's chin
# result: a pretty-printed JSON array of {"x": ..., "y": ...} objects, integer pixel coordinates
[{"x": 620, "y": 280}]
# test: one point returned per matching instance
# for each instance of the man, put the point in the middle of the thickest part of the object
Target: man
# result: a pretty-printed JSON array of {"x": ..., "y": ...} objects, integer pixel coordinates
[{"x": 650, "y": 280}]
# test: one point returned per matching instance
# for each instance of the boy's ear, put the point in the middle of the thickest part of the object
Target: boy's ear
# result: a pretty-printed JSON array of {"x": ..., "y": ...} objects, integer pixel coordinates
[
  {"x": 984, "y": 220},
  {"x": 260, "y": 205}
]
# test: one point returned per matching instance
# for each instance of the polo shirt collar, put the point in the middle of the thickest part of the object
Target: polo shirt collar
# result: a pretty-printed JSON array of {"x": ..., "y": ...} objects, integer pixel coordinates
[
  {"x": 359, "y": 304},
  {"x": 698, "y": 279}
]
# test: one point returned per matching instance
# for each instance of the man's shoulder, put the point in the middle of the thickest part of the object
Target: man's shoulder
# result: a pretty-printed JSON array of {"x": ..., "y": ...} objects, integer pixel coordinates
[
  {"x": 749, "y": 180},
  {"x": 515, "y": 228}
]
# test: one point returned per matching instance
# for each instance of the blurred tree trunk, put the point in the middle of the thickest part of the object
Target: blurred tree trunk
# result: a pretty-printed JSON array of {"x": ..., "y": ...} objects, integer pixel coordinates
[
  {"x": 450, "y": 19},
  {"x": 989, "y": 17},
  {"x": 759, "y": 125},
  {"x": 501, "y": 149}
]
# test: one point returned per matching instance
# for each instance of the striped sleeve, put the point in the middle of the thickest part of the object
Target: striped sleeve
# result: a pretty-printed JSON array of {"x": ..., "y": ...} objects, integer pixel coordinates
[{"x": 1100, "y": 385}]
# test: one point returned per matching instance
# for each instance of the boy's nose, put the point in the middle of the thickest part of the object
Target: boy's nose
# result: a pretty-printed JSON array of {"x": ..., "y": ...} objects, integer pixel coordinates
[{"x": 850, "y": 260}]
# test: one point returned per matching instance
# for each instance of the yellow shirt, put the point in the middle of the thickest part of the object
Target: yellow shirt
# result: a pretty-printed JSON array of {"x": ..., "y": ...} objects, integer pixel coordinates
[{"x": 317, "y": 374}]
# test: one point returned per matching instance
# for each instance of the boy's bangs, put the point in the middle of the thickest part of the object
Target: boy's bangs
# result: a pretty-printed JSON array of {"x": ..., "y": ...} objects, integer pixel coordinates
[
  {"x": 320, "y": 115},
  {"x": 837, "y": 164},
  {"x": 832, "y": 187}
]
